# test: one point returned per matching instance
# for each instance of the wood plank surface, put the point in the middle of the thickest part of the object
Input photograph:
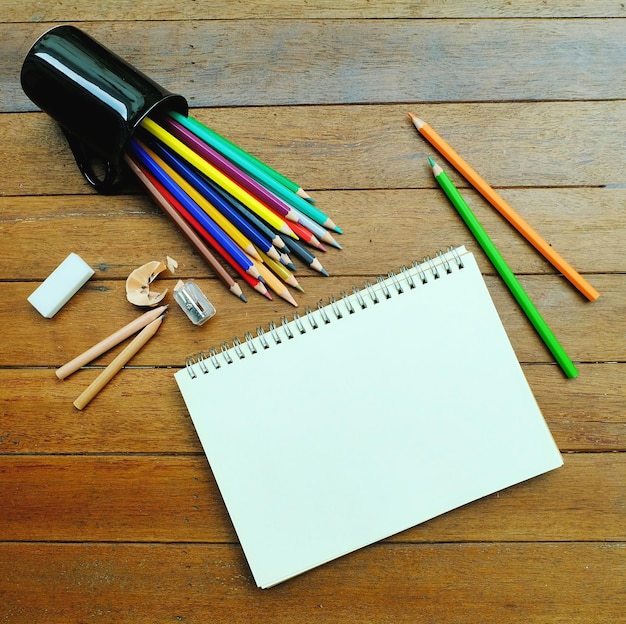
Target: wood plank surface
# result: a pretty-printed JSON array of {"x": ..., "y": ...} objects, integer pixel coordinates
[
  {"x": 482, "y": 582},
  {"x": 270, "y": 63},
  {"x": 587, "y": 415},
  {"x": 363, "y": 147},
  {"x": 112, "y": 514},
  {"x": 133, "y": 10}
]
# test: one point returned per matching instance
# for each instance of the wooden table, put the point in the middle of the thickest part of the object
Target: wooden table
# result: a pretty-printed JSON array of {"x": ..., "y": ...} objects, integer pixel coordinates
[{"x": 111, "y": 514}]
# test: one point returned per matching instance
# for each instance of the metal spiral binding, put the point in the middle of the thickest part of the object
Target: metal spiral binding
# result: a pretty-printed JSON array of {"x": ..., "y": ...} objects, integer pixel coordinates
[{"x": 372, "y": 293}]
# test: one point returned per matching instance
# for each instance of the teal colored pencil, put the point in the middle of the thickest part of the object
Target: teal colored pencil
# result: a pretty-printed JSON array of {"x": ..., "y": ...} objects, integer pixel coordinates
[
  {"x": 479, "y": 233},
  {"x": 218, "y": 139},
  {"x": 251, "y": 165}
]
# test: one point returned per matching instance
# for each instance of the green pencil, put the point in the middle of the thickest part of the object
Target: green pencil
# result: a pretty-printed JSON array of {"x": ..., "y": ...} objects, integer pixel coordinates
[{"x": 541, "y": 327}]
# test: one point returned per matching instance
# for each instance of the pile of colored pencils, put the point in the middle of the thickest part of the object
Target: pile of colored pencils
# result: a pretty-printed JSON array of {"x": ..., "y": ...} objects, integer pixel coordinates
[{"x": 236, "y": 211}]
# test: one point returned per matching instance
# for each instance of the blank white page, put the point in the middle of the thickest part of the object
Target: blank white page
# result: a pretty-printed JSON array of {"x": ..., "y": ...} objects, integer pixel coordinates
[{"x": 387, "y": 417}]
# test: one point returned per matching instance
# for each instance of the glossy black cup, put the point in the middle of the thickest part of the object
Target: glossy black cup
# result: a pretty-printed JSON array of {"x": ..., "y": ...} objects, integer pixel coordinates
[{"x": 96, "y": 97}]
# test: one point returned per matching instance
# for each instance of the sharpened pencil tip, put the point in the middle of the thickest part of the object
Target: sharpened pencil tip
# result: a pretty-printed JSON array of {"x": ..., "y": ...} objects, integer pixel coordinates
[
  {"x": 431, "y": 162},
  {"x": 243, "y": 298}
]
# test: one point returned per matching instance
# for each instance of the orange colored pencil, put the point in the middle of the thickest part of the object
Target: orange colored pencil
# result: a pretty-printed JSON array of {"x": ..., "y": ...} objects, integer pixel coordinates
[{"x": 541, "y": 245}]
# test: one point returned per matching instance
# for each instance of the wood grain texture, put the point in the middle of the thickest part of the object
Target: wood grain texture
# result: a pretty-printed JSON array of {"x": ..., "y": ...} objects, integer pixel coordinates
[
  {"x": 52, "y": 344},
  {"x": 272, "y": 62},
  {"x": 112, "y": 514},
  {"x": 492, "y": 582},
  {"x": 132, "y": 10},
  {"x": 542, "y": 144}
]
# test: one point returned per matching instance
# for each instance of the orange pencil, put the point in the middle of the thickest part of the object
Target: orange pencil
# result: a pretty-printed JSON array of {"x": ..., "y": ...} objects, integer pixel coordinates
[{"x": 504, "y": 209}]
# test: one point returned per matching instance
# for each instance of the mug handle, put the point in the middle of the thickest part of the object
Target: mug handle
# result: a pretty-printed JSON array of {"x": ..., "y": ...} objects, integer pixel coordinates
[{"x": 86, "y": 160}]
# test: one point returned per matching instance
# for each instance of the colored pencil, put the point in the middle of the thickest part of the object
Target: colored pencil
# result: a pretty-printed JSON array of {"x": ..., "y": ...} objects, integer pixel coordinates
[
  {"x": 275, "y": 284},
  {"x": 282, "y": 271},
  {"x": 225, "y": 146},
  {"x": 504, "y": 208},
  {"x": 321, "y": 233},
  {"x": 117, "y": 364},
  {"x": 504, "y": 271},
  {"x": 250, "y": 216},
  {"x": 228, "y": 168},
  {"x": 227, "y": 226},
  {"x": 250, "y": 184},
  {"x": 307, "y": 236},
  {"x": 217, "y": 176},
  {"x": 159, "y": 196},
  {"x": 207, "y": 227},
  {"x": 256, "y": 172},
  {"x": 189, "y": 220},
  {"x": 215, "y": 199},
  {"x": 109, "y": 342}
]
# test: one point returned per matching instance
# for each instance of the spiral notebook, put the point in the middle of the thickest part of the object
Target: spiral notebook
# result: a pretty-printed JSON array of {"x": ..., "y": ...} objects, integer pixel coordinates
[{"x": 377, "y": 411}]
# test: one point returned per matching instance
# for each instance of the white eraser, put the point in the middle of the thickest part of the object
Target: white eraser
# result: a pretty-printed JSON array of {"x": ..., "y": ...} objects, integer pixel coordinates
[{"x": 60, "y": 285}]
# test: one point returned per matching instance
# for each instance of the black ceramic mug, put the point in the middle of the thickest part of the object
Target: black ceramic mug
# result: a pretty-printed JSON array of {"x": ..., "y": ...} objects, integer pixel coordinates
[{"x": 96, "y": 97}]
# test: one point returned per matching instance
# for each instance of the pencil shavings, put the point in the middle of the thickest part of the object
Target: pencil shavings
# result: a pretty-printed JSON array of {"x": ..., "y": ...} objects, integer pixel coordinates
[
  {"x": 172, "y": 265},
  {"x": 138, "y": 284}
]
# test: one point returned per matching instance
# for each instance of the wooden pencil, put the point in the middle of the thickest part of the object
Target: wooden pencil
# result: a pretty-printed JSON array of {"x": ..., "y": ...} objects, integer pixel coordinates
[
  {"x": 116, "y": 365},
  {"x": 219, "y": 161},
  {"x": 302, "y": 253},
  {"x": 201, "y": 185},
  {"x": 239, "y": 155},
  {"x": 235, "y": 234},
  {"x": 306, "y": 235},
  {"x": 507, "y": 275},
  {"x": 541, "y": 245},
  {"x": 187, "y": 207},
  {"x": 320, "y": 233},
  {"x": 109, "y": 342},
  {"x": 250, "y": 216}
]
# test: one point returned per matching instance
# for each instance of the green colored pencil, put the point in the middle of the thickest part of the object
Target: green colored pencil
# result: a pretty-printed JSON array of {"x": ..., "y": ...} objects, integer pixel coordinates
[{"x": 503, "y": 269}]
